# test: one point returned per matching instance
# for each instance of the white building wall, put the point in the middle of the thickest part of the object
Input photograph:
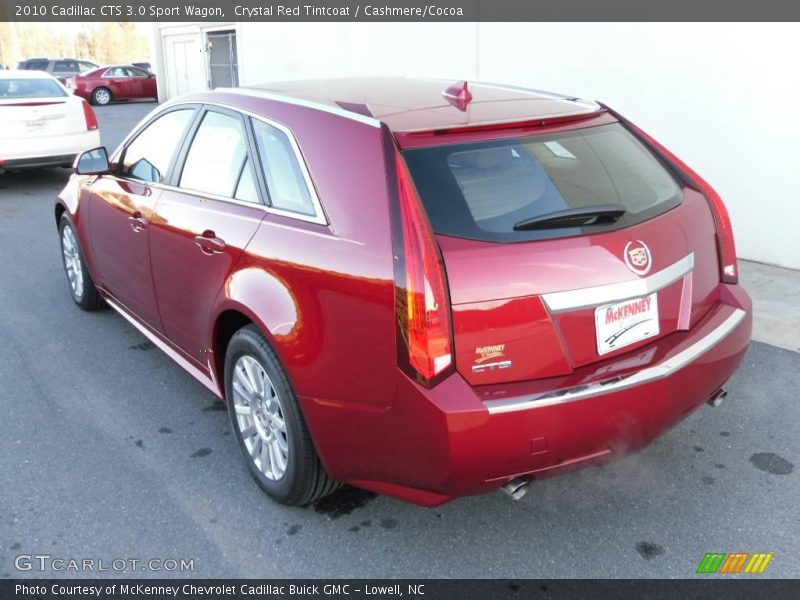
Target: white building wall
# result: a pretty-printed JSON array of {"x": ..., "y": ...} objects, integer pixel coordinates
[{"x": 721, "y": 96}]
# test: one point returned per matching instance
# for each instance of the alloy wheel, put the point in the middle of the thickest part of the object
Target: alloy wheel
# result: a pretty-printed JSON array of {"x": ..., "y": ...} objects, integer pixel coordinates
[
  {"x": 260, "y": 418},
  {"x": 102, "y": 97},
  {"x": 72, "y": 261}
]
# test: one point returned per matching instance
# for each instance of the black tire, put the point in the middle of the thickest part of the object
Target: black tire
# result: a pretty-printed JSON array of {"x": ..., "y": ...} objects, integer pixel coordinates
[
  {"x": 101, "y": 96},
  {"x": 304, "y": 479},
  {"x": 86, "y": 295}
]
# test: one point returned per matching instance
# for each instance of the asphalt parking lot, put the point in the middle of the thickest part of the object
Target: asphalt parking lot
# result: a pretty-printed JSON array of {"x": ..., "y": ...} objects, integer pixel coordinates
[{"x": 109, "y": 450}]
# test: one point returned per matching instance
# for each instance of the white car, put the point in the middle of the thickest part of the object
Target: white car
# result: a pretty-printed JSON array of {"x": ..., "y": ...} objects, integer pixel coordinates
[{"x": 41, "y": 123}]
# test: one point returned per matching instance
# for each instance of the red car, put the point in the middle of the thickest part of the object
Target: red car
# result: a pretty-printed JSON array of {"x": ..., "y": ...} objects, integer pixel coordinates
[
  {"x": 118, "y": 82},
  {"x": 423, "y": 290}
]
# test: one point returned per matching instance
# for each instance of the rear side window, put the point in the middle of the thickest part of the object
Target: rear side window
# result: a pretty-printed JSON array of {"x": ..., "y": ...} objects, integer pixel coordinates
[
  {"x": 289, "y": 189},
  {"x": 148, "y": 156},
  {"x": 216, "y": 157},
  {"x": 36, "y": 65},
  {"x": 481, "y": 190},
  {"x": 30, "y": 88}
]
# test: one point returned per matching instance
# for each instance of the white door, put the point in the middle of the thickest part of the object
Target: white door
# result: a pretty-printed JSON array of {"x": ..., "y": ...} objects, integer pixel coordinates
[{"x": 185, "y": 65}]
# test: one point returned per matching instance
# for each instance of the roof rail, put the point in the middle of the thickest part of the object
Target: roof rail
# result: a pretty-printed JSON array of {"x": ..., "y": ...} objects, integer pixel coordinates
[{"x": 321, "y": 106}]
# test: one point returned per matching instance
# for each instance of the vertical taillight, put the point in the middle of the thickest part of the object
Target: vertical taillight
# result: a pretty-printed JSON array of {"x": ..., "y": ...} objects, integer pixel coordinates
[
  {"x": 422, "y": 303},
  {"x": 88, "y": 114},
  {"x": 729, "y": 268}
]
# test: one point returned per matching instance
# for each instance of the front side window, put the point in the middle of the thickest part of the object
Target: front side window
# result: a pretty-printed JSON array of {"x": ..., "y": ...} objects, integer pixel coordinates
[
  {"x": 148, "y": 156},
  {"x": 217, "y": 156},
  {"x": 116, "y": 72},
  {"x": 286, "y": 181}
]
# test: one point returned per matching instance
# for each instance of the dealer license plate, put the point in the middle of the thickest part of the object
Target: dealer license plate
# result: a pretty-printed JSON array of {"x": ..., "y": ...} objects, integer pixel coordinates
[{"x": 625, "y": 323}]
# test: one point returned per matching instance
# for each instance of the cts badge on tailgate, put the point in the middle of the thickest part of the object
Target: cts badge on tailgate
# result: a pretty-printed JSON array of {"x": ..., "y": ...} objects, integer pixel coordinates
[{"x": 624, "y": 323}]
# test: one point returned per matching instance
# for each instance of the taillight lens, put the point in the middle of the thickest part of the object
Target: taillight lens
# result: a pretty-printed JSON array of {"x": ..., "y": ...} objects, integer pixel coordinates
[
  {"x": 422, "y": 303},
  {"x": 729, "y": 268},
  {"x": 88, "y": 114}
]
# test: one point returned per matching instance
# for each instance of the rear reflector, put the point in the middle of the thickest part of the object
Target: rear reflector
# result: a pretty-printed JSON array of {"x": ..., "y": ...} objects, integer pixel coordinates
[
  {"x": 91, "y": 118},
  {"x": 423, "y": 311},
  {"x": 729, "y": 268}
]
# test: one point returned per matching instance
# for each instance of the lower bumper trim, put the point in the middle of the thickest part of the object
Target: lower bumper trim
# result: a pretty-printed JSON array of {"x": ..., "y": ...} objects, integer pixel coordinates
[{"x": 659, "y": 371}]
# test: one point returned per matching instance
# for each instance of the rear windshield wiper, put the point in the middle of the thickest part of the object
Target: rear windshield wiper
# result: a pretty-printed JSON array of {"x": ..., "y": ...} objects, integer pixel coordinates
[{"x": 596, "y": 214}]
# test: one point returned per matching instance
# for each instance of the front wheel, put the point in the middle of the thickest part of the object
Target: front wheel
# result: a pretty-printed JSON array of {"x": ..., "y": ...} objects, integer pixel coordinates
[
  {"x": 269, "y": 425},
  {"x": 81, "y": 286},
  {"x": 101, "y": 96}
]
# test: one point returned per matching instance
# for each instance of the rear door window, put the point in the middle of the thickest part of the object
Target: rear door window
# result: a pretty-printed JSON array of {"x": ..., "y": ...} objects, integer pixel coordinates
[
  {"x": 217, "y": 156},
  {"x": 482, "y": 190},
  {"x": 65, "y": 66}
]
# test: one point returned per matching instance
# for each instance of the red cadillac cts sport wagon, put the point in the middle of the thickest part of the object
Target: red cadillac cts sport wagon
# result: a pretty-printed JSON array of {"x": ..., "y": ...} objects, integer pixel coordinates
[{"x": 423, "y": 290}]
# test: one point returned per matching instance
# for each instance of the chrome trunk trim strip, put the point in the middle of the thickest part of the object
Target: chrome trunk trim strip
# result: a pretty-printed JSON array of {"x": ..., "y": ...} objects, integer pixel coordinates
[{"x": 616, "y": 292}]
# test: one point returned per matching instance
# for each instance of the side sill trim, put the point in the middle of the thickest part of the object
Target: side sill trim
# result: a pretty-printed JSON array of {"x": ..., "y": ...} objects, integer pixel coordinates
[
  {"x": 164, "y": 347},
  {"x": 616, "y": 292},
  {"x": 659, "y": 371}
]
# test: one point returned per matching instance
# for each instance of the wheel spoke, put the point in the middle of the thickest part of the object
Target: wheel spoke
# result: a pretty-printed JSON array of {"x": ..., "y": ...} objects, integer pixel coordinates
[
  {"x": 241, "y": 410},
  {"x": 251, "y": 376},
  {"x": 279, "y": 458},
  {"x": 266, "y": 460},
  {"x": 249, "y": 432},
  {"x": 279, "y": 422},
  {"x": 256, "y": 449},
  {"x": 283, "y": 444},
  {"x": 244, "y": 382}
]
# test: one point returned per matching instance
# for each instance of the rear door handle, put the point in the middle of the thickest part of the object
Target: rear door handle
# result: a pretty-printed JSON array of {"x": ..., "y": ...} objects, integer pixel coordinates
[
  {"x": 209, "y": 243},
  {"x": 137, "y": 222}
]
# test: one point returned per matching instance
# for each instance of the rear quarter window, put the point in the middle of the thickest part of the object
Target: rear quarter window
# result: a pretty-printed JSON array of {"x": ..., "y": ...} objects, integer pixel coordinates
[{"x": 481, "y": 190}]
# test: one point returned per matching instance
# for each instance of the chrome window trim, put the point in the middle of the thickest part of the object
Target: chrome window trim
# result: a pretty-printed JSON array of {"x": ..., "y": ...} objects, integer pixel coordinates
[
  {"x": 319, "y": 218},
  {"x": 659, "y": 371},
  {"x": 599, "y": 295},
  {"x": 106, "y": 75},
  {"x": 285, "y": 98}
]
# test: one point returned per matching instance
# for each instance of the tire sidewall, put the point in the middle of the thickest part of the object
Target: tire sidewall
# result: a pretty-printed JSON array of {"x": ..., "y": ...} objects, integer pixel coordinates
[{"x": 287, "y": 489}]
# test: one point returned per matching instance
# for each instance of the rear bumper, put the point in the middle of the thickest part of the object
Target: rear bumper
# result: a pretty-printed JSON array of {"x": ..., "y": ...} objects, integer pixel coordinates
[
  {"x": 47, "y": 151},
  {"x": 433, "y": 445}
]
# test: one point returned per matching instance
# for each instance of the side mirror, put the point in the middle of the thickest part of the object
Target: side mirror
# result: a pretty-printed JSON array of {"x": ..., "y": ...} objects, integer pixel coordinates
[{"x": 92, "y": 162}]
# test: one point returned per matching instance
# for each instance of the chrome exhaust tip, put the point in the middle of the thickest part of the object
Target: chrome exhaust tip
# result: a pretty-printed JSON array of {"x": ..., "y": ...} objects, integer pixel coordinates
[
  {"x": 516, "y": 488},
  {"x": 717, "y": 398}
]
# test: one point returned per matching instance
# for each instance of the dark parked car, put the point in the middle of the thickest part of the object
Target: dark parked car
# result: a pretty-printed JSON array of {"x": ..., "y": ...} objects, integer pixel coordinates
[
  {"x": 421, "y": 290},
  {"x": 117, "y": 82},
  {"x": 60, "y": 68}
]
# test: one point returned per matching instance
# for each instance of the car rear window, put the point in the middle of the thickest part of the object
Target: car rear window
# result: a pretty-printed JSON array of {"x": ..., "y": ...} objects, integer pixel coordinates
[
  {"x": 481, "y": 190},
  {"x": 30, "y": 88}
]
